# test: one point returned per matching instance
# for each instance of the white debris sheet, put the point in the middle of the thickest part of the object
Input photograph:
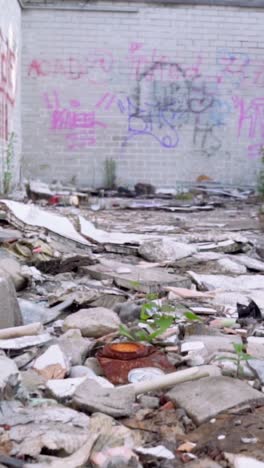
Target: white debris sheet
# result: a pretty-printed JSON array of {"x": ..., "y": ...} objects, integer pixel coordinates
[
  {"x": 33, "y": 216},
  {"x": 99, "y": 236}
]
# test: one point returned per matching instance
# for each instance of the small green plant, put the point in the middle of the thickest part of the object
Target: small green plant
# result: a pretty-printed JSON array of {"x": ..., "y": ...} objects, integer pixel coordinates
[
  {"x": 158, "y": 326},
  {"x": 110, "y": 173},
  {"x": 7, "y": 163},
  {"x": 240, "y": 356},
  {"x": 184, "y": 196},
  {"x": 192, "y": 317},
  {"x": 152, "y": 315}
]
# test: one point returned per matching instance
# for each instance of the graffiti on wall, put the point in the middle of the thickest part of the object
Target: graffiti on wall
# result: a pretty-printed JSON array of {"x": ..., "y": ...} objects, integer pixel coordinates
[
  {"x": 163, "y": 110},
  {"x": 7, "y": 84},
  {"x": 78, "y": 127},
  {"x": 169, "y": 99},
  {"x": 251, "y": 123}
]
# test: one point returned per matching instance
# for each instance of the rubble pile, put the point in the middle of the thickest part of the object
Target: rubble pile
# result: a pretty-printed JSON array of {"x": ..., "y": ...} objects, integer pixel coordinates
[{"x": 131, "y": 329}]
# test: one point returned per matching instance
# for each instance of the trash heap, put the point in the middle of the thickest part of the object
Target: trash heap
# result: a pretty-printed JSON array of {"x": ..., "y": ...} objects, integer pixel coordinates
[{"x": 131, "y": 329}]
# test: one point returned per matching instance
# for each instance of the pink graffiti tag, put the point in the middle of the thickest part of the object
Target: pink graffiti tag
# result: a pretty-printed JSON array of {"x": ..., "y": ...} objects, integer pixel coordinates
[
  {"x": 253, "y": 114},
  {"x": 106, "y": 101},
  {"x": 134, "y": 46},
  {"x": 81, "y": 124}
]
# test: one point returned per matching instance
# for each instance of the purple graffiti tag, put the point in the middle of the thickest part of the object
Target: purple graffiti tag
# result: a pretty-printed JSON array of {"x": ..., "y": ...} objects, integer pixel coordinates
[{"x": 151, "y": 121}]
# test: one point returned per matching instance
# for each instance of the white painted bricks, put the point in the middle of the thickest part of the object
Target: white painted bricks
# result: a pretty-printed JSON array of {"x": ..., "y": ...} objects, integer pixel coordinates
[{"x": 169, "y": 92}]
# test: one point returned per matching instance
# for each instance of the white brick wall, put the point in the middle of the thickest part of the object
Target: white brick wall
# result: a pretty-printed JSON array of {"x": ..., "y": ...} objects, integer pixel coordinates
[
  {"x": 169, "y": 92},
  {"x": 10, "y": 111}
]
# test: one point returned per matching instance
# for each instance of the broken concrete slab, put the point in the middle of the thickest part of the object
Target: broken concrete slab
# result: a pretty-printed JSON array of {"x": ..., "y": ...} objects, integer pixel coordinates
[
  {"x": 242, "y": 461},
  {"x": 89, "y": 231},
  {"x": 250, "y": 263},
  {"x": 226, "y": 246},
  {"x": 229, "y": 266},
  {"x": 257, "y": 366},
  {"x": 94, "y": 322},
  {"x": 139, "y": 279},
  {"x": 83, "y": 371},
  {"x": 206, "y": 398},
  {"x": 214, "y": 344},
  {"x": 16, "y": 413},
  {"x": 9, "y": 235},
  {"x": 74, "y": 346},
  {"x": 32, "y": 382},
  {"x": 91, "y": 397},
  {"x": 33, "y": 312},
  {"x": 165, "y": 251},
  {"x": 34, "y": 217},
  {"x": 9, "y": 377},
  {"x": 31, "y": 439},
  {"x": 10, "y": 315},
  {"x": 25, "y": 342},
  {"x": 12, "y": 268},
  {"x": 228, "y": 283}
]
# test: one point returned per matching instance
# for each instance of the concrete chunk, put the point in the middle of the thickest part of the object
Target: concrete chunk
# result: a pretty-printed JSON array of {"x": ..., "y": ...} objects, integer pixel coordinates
[
  {"x": 93, "y": 322},
  {"x": 205, "y": 398},
  {"x": 9, "y": 377},
  {"x": 10, "y": 315},
  {"x": 165, "y": 250},
  {"x": 145, "y": 279},
  {"x": 91, "y": 397}
]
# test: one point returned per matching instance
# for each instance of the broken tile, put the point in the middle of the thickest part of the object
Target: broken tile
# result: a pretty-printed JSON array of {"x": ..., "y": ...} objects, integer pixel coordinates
[
  {"x": 207, "y": 397},
  {"x": 64, "y": 389},
  {"x": 52, "y": 364}
]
